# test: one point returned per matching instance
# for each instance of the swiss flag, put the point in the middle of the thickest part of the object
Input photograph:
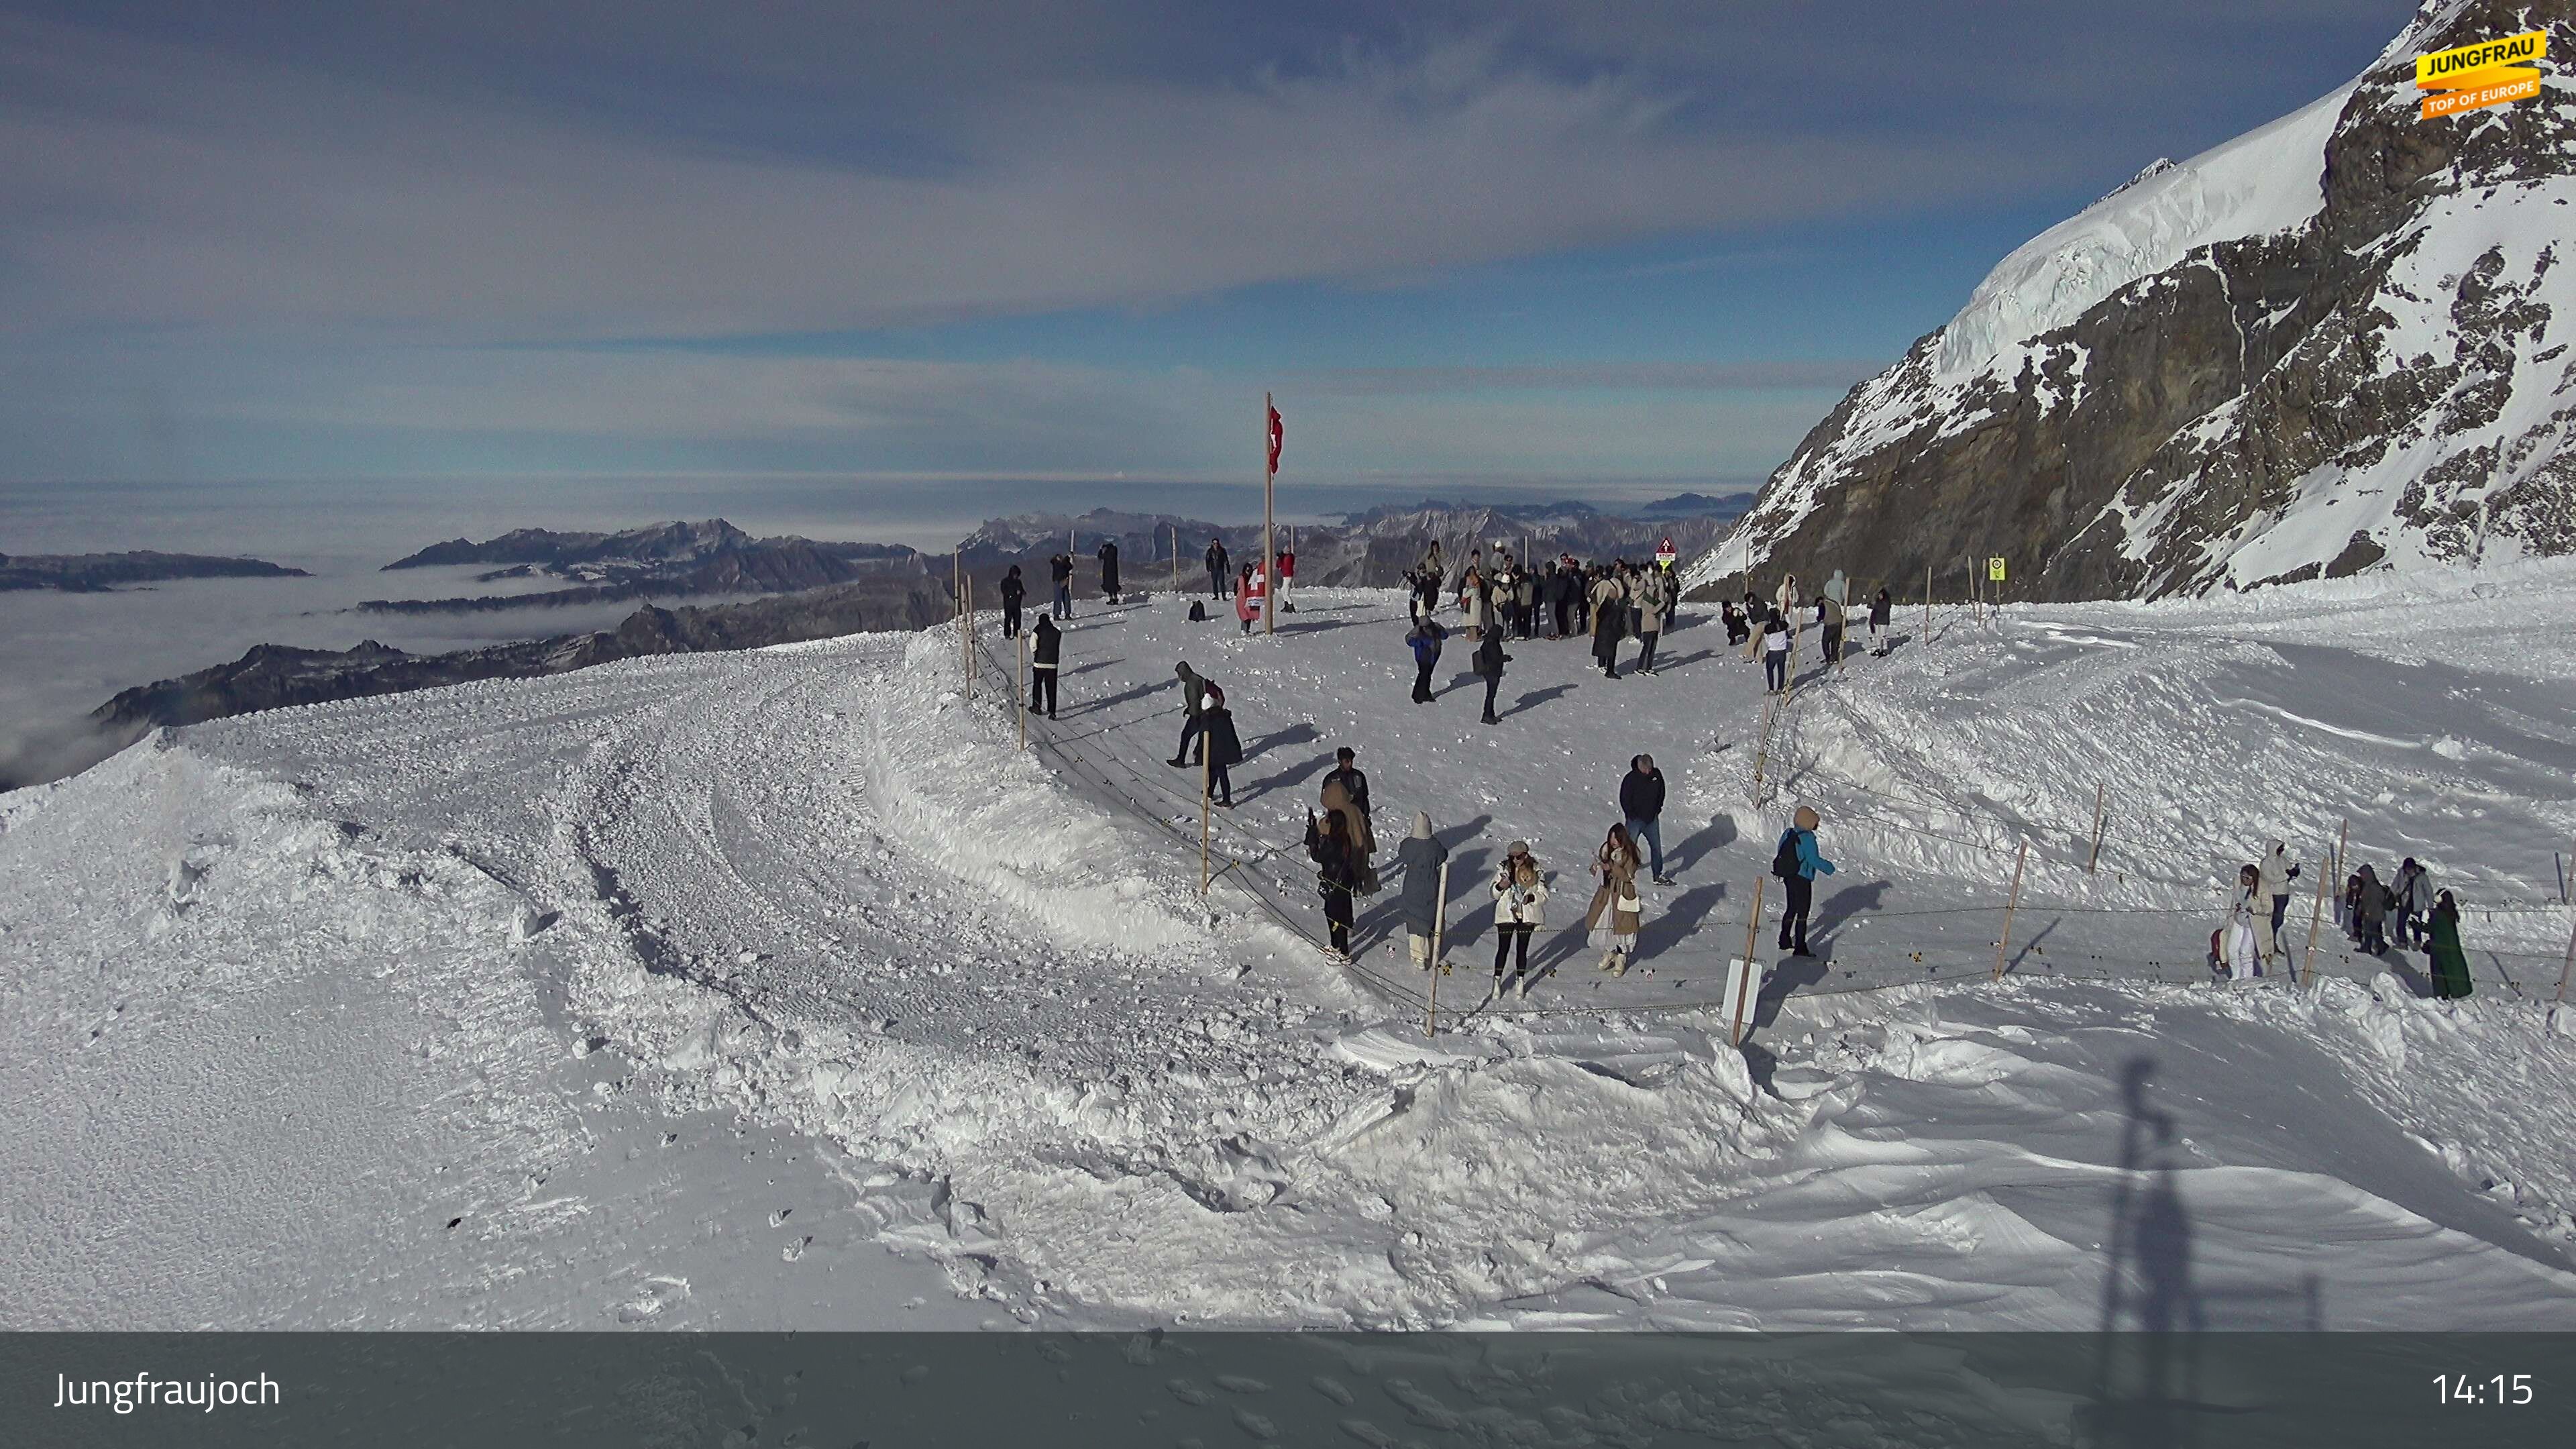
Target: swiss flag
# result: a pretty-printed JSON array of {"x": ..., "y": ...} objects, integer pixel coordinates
[{"x": 1276, "y": 434}]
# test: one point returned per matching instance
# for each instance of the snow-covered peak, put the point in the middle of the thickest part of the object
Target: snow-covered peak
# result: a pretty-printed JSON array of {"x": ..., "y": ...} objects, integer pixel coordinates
[{"x": 2265, "y": 181}]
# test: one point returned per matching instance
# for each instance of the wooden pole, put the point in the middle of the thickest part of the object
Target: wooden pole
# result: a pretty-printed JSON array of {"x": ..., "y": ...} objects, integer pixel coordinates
[
  {"x": 1269, "y": 556},
  {"x": 1927, "y": 604},
  {"x": 1020, "y": 687},
  {"x": 1753, "y": 923},
  {"x": 1439, "y": 924},
  {"x": 2564, "y": 970},
  {"x": 2317, "y": 916},
  {"x": 966, "y": 635},
  {"x": 2011, "y": 904},
  {"x": 1207, "y": 795},
  {"x": 2100, "y": 799}
]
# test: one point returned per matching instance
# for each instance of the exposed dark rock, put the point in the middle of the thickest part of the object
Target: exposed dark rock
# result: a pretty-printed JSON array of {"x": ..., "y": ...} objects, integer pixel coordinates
[{"x": 83, "y": 573}]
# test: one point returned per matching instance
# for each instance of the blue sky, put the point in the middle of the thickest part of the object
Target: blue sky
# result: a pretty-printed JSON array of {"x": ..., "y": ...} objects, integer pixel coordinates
[{"x": 1542, "y": 243}]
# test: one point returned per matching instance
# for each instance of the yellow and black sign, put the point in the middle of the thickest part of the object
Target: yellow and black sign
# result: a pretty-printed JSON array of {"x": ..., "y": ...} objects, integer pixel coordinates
[
  {"x": 1995, "y": 570},
  {"x": 2489, "y": 73}
]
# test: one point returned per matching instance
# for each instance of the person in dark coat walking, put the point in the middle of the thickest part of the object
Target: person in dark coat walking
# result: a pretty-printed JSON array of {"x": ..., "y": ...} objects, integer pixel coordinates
[
  {"x": 2450, "y": 964},
  {"x": 2370, "y": 913},
  {"x": 1420, "y": 857},
  {"x": 1490, "y": 660},
  {"x": 1609, "y": 620},
  {"x": 1060, "y": 568},
  {"x": 1425, "y": 639},
  {"x": 1046, "y": 645},
  {"x": 1224, "y": 746},
  {"x": 1014, "y": 590},
  {"x": 1797, "y": 862},
  {"x": 1641, "y": 801},
  {"x": 1217, "y": 565},
  {"x": 1882, "y": 613},
  {"x": 1194, "y": 688},
  {"x": 1109, "y": 569},
  {"x": 1336, "y": 875},
  {"x": 1351, "y": 778}
]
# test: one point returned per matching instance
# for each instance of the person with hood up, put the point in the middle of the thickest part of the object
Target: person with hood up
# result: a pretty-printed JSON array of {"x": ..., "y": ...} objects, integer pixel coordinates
[
  {"x": 2276, "y": 873},
  {"x": 1520, "y": 908},
  {"x": 1363, "y": 839},
  {"x": 2449, "y": 963},
  {"x": 1776, "y": 641},
  {"x": 1328, "y": 841},
  {"x": 2370, "y": 913},
  {"x": 1616, "y": 913},
  {"x": 1838, "y": 589},
  {"x": 1217, "y": 564},
  {"x": 1060, "y": 569},
  {"x": 1609, "y": 619},
  {"x": 1420, "y": 856},
  {"x": 1641, "y": 802},
  {"x": 1426, "y": 639},
  {"x": 1882, "y": 614},
  {"x": 1797, "y": 862},
  {"x": 2414, "y": 891},
  {"x": 1654, "y": 613},
  {"x": 2238, "y": 943},
  {"x": 1194, "y": 688},
  {"x": 1109, "y": 569},
  {"x": 1490, "y": 660},
  {"x": 1014, "y": 590},
  {"x": 1223, "y": 747},
  {"x": 1046, "y": 647}
]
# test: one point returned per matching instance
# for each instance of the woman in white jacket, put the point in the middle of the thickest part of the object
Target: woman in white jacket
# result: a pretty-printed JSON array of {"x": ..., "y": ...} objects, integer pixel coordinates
[
  {"x": 1520, "y": 908},
  {"x": 2237, "y": 947}
]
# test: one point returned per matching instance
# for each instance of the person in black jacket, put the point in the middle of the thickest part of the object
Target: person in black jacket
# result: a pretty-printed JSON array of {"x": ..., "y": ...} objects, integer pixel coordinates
[
  {"x": 1224, "y": 746},
  {"x": 1336, "y": 875},
  {"x": 1490, "y": 660},
  {"x": 1109, "y": 569},
  {"x": 1641, "y": 800},
  {"x": 1217, "y": 563},
  {"x": 1047, "y": 645},
  {"x": 1014, "y": 589},
  {"x": 1353, "y": 782},
  {"x": 1061, "y": 568},
  {"x": 1882, "y": 613},
  {"x": 1194, "y": 688}
]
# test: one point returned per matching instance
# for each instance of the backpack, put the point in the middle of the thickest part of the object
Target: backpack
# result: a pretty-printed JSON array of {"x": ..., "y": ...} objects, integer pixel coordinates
[
  {"x": 1198, "y": 612},
  {"x": 1784, "y": 861}
]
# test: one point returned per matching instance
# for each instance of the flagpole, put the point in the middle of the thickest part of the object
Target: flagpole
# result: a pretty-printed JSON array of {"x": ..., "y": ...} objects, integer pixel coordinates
[{"x": 1269, "y": 559}]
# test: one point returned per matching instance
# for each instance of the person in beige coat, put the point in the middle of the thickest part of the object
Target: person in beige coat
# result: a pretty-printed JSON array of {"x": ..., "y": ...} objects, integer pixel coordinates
[{"x": 1616, "y": 912}]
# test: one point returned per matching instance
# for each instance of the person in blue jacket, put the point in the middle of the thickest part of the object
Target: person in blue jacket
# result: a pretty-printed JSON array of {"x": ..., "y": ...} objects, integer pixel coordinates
[
  {"x": 1425, "y": 639},
  {"x": 1797, "y": 862}
]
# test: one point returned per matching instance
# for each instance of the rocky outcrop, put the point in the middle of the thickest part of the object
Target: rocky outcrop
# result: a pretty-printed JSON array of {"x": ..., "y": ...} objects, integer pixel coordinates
[
  {"x": 666, "y": 560},
  {"x": 84, "y": 573},
  {"x": 2345, "y": 346}
]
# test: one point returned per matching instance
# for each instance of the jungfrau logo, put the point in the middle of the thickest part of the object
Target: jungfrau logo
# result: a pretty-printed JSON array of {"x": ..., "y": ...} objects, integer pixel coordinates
[{"x": 2489, "y": 73}]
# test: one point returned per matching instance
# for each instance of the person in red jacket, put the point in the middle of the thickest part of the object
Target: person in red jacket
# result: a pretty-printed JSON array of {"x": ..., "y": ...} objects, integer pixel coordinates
[{"x": 1287, "y": 577}]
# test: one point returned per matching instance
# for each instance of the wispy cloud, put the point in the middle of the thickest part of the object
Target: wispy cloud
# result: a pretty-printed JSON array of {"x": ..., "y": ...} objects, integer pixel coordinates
[{"x": 1757, "y": 376}]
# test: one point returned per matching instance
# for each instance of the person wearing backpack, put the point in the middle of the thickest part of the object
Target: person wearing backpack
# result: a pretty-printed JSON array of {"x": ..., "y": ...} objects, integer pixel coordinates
[{"x": 1797, "y": 863}]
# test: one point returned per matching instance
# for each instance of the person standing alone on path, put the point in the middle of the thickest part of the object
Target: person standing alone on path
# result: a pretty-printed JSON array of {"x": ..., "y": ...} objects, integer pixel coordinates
[
  {"x": 1217, "y": 564},
  {"x": 1109, "y": 569},
  {"x": 1641, "y": 801},
  {"x": 1014, "y": 590},
  {"x": 1420, "y": 858},
  {"x": 1224, "y": 746},
  {"x": 1193, "y": 702},
  {"x": 1882, "y": 613},
  {"x": 1797, "y": 863},
  {"x": 1654, "y": 611},
  {"x": 1287, "y": 578},
  {"x": 1061, "y": 568},
  {"x": 1047, "y": 647},
  {"x": 1490, "y": 660},
  {"x": 1425, "y": 639},
  {"x": 1520, "y": 908}
]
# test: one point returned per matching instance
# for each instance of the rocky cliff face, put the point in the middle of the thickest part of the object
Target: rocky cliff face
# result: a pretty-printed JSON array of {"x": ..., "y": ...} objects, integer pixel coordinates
[{"x": 2338, "y": 343}]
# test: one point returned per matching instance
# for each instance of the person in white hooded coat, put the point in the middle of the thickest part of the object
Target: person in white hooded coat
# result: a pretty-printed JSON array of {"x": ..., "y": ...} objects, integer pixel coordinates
[
  {"x": 2272, "y": 887},
  {"x": 1520, "y": 908},
  {"x": 2238, "y": 950}
]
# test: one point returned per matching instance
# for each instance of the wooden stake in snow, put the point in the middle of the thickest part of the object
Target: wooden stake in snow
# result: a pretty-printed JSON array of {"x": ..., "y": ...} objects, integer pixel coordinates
[
  {"x": 2317, "y": 916},
  {"x": 1269, "y": 556},
  {"x": 1927, "y": 603},
  {"x": 2562, "y": 976},
  {"x": 966, "y": 632},
  {"x": 1020, "y": 687},
  {"x": 2100, "y": 799},
  {"x": 1439, "y": 923},
  {"x": 1753, "y": 923},
  {"x": 2011, "y": 903},
  {"x": 1207, "y": 798}
]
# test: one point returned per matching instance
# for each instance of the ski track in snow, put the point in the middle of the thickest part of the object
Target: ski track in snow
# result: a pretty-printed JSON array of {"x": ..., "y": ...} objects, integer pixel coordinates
[{"x": 810, "y": 906}]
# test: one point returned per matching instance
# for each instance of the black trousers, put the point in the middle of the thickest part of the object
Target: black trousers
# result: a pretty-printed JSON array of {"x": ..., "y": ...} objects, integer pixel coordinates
[
  {"x": 1337, "y": 915},
  {"x": 1646, "y": 657},
  {"x": 1793, "y": 915},
  {"x": 1109, "y": 585},
  {"x": 1042, "y": 686},
  {"x": 1216, "y": 583},
  {"x": 1564, "y": 617},
  {"x": 1492, "y": 682},
  {"x": 1010, "y": 621},
  {"x": 1422, "y": 680},
  {"x": 1833, "y": 643},
  {"x": 1220, "y": 785},
  {"x": 1190, "y": 735},
  {"x": 1506, "y": 937}
]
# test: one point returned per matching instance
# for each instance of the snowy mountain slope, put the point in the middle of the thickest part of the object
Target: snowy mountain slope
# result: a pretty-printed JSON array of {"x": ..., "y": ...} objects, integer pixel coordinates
[
  {"x": 809, "y": 904},
  {"x": 2334, "y": 343}
]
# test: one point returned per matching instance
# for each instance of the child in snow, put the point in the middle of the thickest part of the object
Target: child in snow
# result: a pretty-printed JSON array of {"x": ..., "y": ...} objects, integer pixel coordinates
[
  {"x": 1520, "y": 901},
  {"x": 1616, "y": 912}
]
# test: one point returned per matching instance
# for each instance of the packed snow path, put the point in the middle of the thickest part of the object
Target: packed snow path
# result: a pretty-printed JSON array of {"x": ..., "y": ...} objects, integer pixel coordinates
[{"x": 818, "y": 893}]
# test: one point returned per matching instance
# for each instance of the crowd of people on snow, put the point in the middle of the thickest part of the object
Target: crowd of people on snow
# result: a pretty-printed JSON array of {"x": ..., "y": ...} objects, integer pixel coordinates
[{"x": 1500, "y": 599}]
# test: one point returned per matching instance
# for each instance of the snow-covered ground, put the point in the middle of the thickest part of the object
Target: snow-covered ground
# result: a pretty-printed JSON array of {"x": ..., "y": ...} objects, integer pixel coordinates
[{"x": 287, "y": 994}]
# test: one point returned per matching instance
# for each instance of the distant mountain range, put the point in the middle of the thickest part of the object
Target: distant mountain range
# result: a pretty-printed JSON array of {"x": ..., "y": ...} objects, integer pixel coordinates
[
  {"x": 88, "y": 573},
  {"x": 665, "y": 560}
]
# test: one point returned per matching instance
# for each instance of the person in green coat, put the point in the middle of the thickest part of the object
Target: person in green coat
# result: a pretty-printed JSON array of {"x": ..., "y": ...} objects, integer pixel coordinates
[{"x": 2450, "y": 963}]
